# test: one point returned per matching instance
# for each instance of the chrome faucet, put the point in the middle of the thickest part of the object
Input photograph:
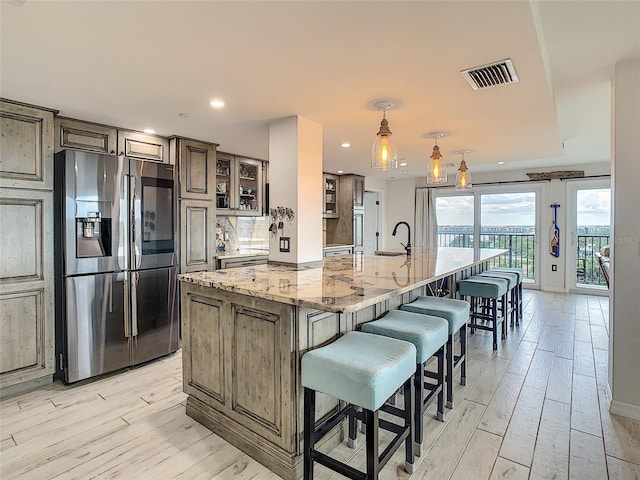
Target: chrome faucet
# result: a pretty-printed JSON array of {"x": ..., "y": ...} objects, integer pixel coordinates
[{"x": 407, "y": 247}]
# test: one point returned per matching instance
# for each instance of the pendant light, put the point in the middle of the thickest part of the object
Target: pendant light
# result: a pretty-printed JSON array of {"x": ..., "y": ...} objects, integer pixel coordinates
[
  {"x": 384, "y": 153},
  {"x": 463, "y": 177},
  {"x": 436, "y": 168}
]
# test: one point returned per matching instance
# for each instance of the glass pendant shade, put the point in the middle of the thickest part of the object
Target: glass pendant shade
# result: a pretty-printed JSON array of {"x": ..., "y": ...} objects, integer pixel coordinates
[
  {"x": 463, "y": 178},
  {"x": 436, "y": 168},
  {"x": 384, "y": 153}
]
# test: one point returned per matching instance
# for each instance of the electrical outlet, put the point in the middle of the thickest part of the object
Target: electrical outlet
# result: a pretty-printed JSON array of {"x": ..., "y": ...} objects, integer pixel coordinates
[{"x": 554, "y": 268}]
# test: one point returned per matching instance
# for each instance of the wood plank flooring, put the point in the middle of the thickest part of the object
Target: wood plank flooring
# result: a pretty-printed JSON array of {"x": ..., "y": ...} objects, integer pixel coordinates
[{"x": 535, "y": 409}]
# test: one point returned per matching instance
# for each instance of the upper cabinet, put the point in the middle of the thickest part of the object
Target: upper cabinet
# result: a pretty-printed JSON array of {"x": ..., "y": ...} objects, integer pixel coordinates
[
  {"x": 26, "y": 146},
  {"x": 239, "y": 185},
  {"x": 331, "y": 196},
  {"x": 196, "y": 166},
  {"x": 358, "y": 191},
  {"x": 92, "y": 137},
  {"x": 143, "y": 146}
]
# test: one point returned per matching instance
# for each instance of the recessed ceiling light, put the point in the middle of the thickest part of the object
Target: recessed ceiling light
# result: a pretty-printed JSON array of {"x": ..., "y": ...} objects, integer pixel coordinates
[
  {"x": 405, "y": 172},
  {"x": 340, "y": 171},
  {"x": 403, "y": 164},
  {"x": 345, "y": 145},
  {"x": 216, "y": 103},
  {"x": 500, "y": 163},
  {"x": 150, "y": 131}
]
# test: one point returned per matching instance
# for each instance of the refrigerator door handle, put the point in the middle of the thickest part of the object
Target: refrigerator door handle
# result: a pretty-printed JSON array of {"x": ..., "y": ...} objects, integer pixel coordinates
[
  {"x": 132, "y": 221},
  {"x": 134, "y": 304},
  {"x": 127, "y": 297}
]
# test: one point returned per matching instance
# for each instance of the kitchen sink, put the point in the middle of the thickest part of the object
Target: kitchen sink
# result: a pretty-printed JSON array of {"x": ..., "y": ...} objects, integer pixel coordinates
[{"x": 389, "y": 253}]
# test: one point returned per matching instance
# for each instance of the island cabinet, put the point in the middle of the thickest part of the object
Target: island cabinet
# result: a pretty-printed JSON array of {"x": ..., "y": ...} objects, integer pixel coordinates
[
  {"x": 27, "y": 350},
  {"x": 77, "y": 134},
  {"x": 196, "y": 165},
  {"x": 241, "y": 370},
  {"x": 245, "y": 331},
  {"x": 239, "y": 185}
]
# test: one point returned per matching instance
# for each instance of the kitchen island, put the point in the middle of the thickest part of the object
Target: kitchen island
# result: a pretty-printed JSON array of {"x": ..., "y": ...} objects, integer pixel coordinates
[{"x": 245, "y": 330}]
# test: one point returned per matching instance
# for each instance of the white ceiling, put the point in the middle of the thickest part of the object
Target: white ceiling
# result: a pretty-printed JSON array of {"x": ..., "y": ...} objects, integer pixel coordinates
[{"x": 141, "y": 64}]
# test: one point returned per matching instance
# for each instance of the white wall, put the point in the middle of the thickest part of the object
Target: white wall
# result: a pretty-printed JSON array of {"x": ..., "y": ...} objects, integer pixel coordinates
[
  {"x": 295, "y": 174},
  {"x": 624, "y": 312},
  {"x": 400, "y": 206}
]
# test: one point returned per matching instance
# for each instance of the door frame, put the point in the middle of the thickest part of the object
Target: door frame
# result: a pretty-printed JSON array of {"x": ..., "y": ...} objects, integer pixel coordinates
[
  {"x": 571, "y": 227},
  {"x": 377, "y": 214}
]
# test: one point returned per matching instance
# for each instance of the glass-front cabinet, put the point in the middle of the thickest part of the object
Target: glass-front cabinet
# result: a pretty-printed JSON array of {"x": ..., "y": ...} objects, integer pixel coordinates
[
  {"x": 239, "y": 187},
  {"x": 330, "y": 196}
]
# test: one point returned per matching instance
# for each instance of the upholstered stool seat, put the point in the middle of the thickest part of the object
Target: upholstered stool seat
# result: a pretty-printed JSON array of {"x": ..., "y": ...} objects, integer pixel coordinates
[
  {"x": 520, "y": 273},
  {"x": 429, "y": 335},
  {"x": 493, "y": 290},
  {"x": 512, "y": 287},
  {"x": 364, "y": 370},
  {"x": 456, "y": 313}
]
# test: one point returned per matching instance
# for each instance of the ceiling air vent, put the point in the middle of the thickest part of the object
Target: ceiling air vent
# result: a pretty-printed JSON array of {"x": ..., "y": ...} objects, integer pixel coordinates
[{"x": 490, "y": 75}]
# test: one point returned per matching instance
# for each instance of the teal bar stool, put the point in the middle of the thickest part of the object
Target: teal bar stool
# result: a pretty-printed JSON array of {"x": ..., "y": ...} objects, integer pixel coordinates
[
  {"x": 485, "y": 294},
  {"x": 363, "y": 370},
  {"x": 520, "y": 273},
  {"x": 456, "y": 313},
  {"x": 512, "y": 280},
  {"x": 429, "y": 335}
]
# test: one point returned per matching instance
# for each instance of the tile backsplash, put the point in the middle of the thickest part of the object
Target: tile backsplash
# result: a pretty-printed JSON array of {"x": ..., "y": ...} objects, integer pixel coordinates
[{"x": 234, "y": 234}]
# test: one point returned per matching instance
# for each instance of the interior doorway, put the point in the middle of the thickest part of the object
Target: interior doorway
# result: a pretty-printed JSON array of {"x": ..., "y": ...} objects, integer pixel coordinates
[{"x": 371, "y": 222}]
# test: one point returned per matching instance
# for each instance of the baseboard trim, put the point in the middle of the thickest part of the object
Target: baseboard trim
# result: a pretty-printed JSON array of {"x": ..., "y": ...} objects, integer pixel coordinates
[{"x": 625, "y": 409}]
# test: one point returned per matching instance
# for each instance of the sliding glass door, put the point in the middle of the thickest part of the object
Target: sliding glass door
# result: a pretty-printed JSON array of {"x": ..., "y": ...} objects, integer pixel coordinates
[
  {"x": 589, "y": 225},
  {"x": 493, "y": 218}
]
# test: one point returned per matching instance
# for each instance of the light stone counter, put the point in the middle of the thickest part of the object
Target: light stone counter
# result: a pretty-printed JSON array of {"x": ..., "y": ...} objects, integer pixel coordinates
[
  {"x": 245, "y": 330},
  {"x": 345, "y": 283}
]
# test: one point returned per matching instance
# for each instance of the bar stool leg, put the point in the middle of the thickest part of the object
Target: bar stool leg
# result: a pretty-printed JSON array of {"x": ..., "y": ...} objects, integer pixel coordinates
[
  {"x": 441, "y": 380},
  {"x": 410, "y": 408},
  {"x": 505, "y": 310},
  {"x": 463, "y": 351},
  {"x": 449, "y": 357},
  {"x": 352, "y": 441},
  {"x": 418, "y": 386},
  {"x": 309, "y": 437},
  {"x": 494, "y": 318},
  {"x": 371, "y": 421}
]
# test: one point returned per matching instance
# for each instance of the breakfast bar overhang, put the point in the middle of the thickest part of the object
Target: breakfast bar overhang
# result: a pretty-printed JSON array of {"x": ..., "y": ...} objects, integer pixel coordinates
[{"x": 244, "y": 331}]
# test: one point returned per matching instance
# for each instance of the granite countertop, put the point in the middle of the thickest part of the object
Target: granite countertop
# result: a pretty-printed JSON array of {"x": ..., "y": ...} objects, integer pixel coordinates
[
  {"x": 243, "y": 252},
  {"x": 338, "y": 245},
  {"x": 346, "y": 283}
]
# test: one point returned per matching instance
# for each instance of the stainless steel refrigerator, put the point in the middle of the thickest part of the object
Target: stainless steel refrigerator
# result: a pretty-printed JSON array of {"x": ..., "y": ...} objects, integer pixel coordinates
[{"x": 116, "y": 262}]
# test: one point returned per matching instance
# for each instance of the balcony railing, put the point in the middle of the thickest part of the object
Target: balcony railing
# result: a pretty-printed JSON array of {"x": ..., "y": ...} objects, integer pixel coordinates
[
  {"x": 522, "y": 252},
  {"x": 587, "y": 270},
  {"x": 521, "y": 248}
]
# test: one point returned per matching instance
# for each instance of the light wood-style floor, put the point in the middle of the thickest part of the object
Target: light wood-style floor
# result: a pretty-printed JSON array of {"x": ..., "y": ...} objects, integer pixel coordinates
[{"x": 537, "y": 408}]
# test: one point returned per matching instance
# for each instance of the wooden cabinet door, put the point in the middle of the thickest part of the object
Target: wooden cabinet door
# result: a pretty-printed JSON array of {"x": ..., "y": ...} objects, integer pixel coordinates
[
  {"x": 358, "y": 231},
  {"x": 358, "y": 191},
  {"x": 331, "y": 196},
  {"x": 197, "y": 236},
  {"x": 26, "y": 146},
  {"x": 91, "y": 137},
  {"x": 249, "y": 186},
  {"x": 197, "y": 167},
  {"x": 225, "y": 184},
  {"x": 143, "y": 146},
  {"x": 26, "y": 286}
]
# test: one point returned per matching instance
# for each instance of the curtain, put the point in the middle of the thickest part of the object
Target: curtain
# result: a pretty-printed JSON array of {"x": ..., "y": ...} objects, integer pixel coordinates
[{"x": 426, "y": 221}]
